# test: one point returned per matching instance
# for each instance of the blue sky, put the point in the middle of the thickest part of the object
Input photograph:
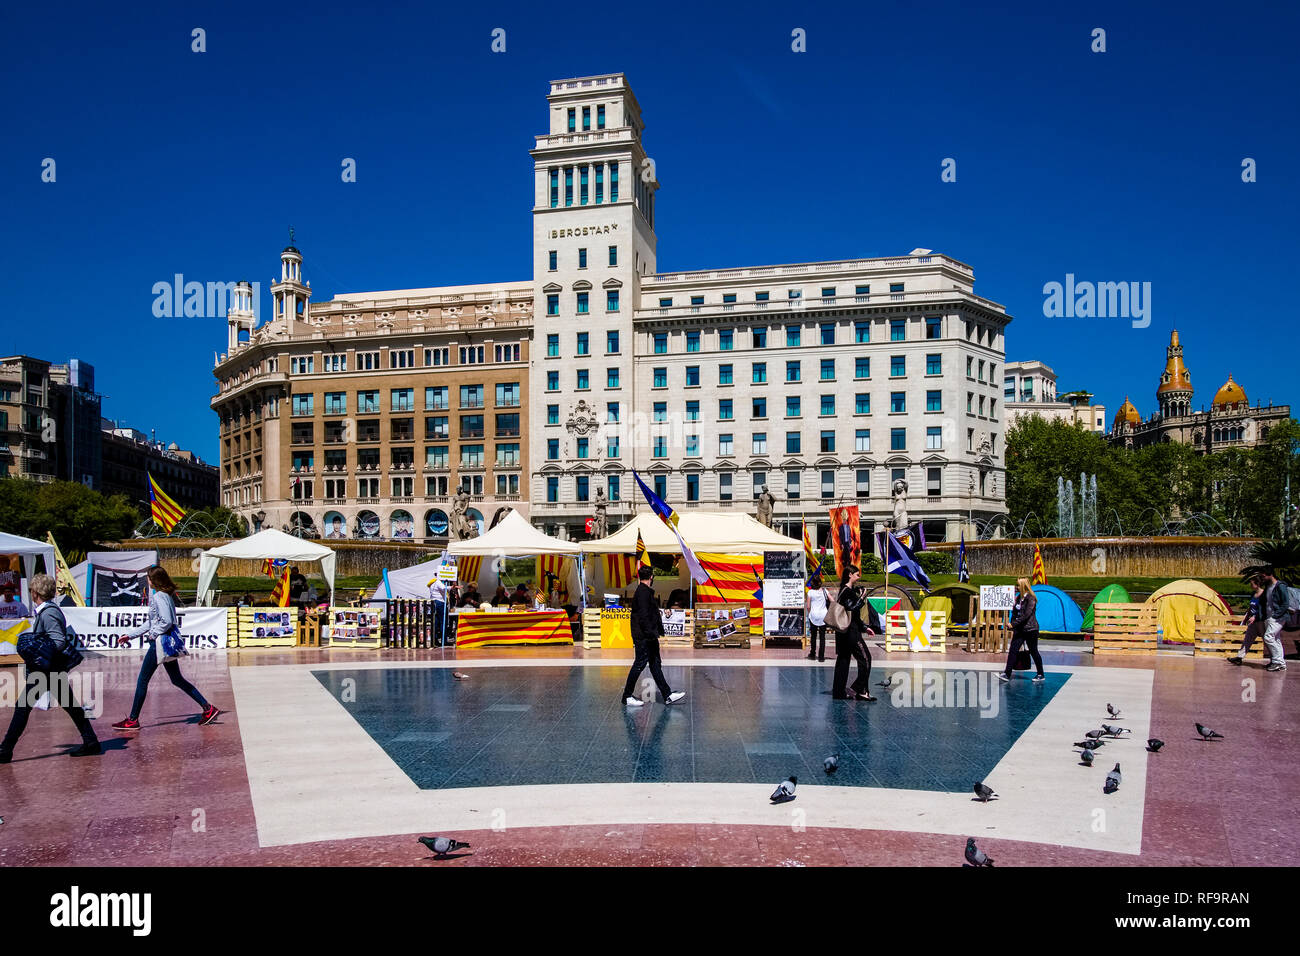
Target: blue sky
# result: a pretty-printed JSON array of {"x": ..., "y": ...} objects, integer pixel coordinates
[{"x": 1115, "y": 166}]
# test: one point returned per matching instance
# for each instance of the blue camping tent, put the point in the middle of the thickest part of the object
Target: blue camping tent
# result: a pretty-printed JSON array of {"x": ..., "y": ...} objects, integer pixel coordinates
[{"x": 1057, "y": 610}]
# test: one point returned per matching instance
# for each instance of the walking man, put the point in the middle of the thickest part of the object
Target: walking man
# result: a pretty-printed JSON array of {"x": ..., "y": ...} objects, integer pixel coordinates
[
  {"x": 647, "y": 626},
  {"x": 1274, "y": 612}
]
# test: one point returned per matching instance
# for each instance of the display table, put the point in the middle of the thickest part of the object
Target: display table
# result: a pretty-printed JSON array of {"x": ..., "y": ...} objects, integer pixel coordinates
[{"x": 484, "y": 628}]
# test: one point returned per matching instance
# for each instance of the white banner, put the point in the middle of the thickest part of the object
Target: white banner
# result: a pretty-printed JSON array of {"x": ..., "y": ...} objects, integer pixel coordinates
[
  {"x": 204, "y": 628},
  {"x": 997, "y": 597}
]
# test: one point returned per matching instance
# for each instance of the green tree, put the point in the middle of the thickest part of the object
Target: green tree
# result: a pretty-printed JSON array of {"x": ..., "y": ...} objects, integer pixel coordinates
[
  {"x": 1038, "y": 452},
  {"x": 1264, "y": 482},
  {"x": 79, "y": 517}
]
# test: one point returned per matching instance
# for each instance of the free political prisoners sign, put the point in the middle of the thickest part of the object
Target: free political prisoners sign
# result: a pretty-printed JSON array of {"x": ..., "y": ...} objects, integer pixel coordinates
[{"x": 204, "y": 628}]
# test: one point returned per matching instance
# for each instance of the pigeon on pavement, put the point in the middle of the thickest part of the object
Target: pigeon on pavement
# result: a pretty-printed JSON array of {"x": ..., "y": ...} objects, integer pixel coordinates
[
  {"x": 1095, "y": 734},
  {"x": 784, "y": 791},
  {"x": 1086, "y": 758},
  {"x": 441, "y": 846},
  {"x": 1113, "y": 712},
  {"x": 1154, "y": 744},
  {"x": 1113, "y": 730},
  {"x": 983, "y": 792},
  {"x": 1090, "y": 744},
  {"x": 975, "y": 856},
  {"x": 832, "y": 763},
  {"x": 459, "y": 676},
  {"x": 1112, "y": 781},
  {"x": 1207, "y": 733}
]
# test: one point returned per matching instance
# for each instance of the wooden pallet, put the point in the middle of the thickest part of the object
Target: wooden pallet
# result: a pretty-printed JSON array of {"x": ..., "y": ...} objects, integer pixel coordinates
[
  {"x": 341, "y": 640},
  {"x": 733, "y": 642},
  {"x": 897, "y": 634},
  {"x": 989, "y": 631},
  {"x": 246, "y": 631},
  {"x": 591, "y": 627},
  {"x": 1125, "y": 629},
  {"x": 1218, "y": 635}
]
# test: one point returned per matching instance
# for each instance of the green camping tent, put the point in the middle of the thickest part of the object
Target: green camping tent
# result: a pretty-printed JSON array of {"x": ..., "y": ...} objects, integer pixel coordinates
[{"x": 1110, "y": 594}]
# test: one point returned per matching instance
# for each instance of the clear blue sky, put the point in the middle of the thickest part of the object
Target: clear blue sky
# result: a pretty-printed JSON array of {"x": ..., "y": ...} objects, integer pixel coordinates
[{"x": 1117, "y": 166}]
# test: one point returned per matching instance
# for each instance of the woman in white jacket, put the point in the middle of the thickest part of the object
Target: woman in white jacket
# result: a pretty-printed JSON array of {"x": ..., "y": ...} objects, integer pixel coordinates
[{"x": 162, "y": 619}]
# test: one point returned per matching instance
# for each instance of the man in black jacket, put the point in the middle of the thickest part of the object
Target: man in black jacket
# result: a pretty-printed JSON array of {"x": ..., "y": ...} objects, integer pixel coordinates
[{"x": 647, "y": 625}]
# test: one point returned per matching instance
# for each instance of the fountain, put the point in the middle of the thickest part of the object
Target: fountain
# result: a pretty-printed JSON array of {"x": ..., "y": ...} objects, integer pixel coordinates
[{"x": 1064, "y": 508}]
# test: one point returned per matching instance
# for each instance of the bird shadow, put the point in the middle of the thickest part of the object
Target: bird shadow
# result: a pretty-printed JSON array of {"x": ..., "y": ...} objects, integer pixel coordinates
[
  {"x": 978, "y": 800},
  {"x": 447, "y": 856}
]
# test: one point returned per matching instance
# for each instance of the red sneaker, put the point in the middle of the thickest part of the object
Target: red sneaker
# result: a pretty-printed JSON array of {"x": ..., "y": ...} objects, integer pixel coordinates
[
  {"x": 209, "y": 715},
  {"x": 127, "y": 724}
]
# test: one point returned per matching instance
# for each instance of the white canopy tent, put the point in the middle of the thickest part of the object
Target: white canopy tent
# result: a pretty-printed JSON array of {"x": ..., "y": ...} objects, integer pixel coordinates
[
  {"x": 512, "y": 536},
  {"x": 709, "y": 531},
  {"x": 28, "y": 549},
  {"x": 265, "y": 544}
]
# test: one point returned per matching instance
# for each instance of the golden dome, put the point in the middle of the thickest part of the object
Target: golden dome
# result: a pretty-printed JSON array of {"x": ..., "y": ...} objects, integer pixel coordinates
[
  {"x": 1176, "y": 378},
  {"x": 1127, "y": 415},
  {"x": 1230, "y": 394}
]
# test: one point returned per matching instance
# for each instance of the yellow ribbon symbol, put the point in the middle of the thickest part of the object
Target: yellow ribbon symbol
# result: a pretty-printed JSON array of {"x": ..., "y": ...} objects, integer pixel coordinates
[{"x": 916, "y": 635}]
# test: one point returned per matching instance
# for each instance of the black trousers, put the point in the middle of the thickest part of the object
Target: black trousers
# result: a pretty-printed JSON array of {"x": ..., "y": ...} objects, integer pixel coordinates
[
  {"x": 647, "y": 653},
  {"x": 815, "y": 632},
  {"x": 849, "y": 645},
  {"x": 1021, "y": 640},
  {"x": 60, "y": 693},
  {"x": 173, "y": 669}
]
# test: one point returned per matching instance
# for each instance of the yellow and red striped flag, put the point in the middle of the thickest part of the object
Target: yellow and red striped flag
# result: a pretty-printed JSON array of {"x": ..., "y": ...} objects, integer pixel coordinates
[
  {"x": 280, "y": 593},
  {"x": 1040, "y": 573},
  {"x": 620, "y": 569},
  {"x": 555, "y": 566},
  {"x": 733, "y": 579},
  {"x": 642, "y": 556},
  {"x": 467, "y": 568},
  {"x": 165, "y": 512}
]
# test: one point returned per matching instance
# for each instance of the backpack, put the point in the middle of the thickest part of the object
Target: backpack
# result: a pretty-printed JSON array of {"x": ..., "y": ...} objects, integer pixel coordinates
[{"x": 1291, "y": 595}]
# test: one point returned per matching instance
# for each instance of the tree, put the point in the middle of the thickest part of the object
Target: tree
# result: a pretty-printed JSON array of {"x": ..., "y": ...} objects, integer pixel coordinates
[
  {"x": 1038, "y": 452},
  {"x": 79, "y": 517}
]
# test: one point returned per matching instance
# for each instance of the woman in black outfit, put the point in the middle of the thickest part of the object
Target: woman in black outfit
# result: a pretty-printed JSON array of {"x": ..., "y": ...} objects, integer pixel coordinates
[
  {"x": 849, "y": 643},
  {"x": 1024, "y": 630}
]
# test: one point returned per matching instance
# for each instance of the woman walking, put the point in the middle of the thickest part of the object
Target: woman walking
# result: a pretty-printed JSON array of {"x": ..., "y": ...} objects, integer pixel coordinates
[
  {"x": 162, "y": 619},
  {"x": 1024, "y": 630},
  {"x": 48, "y": 624},
  {"x": 849, "y": 643},
  {"x": 816, "y": 604}
]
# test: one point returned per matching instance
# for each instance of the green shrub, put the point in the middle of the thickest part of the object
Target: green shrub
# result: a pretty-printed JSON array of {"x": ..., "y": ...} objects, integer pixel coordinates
[{"x": 936, "y": 562}]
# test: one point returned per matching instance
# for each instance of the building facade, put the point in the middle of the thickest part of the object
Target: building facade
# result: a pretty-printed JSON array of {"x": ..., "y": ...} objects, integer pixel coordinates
[
  {"x": 49, "y": 421},
  {"x": 130, "y": 456},
  {"x": 1230, "y": 422},
  {"x": 1029, "y": 388}
]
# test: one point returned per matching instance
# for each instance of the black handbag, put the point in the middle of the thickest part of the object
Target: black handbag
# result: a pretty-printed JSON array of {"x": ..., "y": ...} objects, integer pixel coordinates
[
  {"x": 1023, "y": 660},
  {"x": 40, "y": 652}
]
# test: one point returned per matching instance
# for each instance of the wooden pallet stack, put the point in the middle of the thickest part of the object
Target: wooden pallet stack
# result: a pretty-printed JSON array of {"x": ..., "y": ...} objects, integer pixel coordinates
[
  {"x": 902, "y": 625},
  {"x": 989, "y": 632},
  {"x": 265, "y": 627},
  {"x": 1125, "y": 629},
  {"x": 1218, "y": 635},
  {"x": 591, "y": 627}
]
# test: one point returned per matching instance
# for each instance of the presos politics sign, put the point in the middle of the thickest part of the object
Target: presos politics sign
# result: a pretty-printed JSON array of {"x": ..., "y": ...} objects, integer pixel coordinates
[{"x": 204, "y": 628}]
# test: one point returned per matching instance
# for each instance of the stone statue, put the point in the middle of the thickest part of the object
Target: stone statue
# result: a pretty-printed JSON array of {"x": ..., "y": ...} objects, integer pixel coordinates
[
  {"x": 766, "y": 504},
  {"x": 900, "y": 505},
  {"x": 600, "y": 525},
  {"x": 460, "y": 523}
]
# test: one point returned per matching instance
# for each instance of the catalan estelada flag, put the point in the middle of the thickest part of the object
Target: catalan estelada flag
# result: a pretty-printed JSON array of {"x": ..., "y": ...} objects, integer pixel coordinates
[
  {"x": 165, "y": 512},
  {"x": 467, "y": 568},
  {"x": 642, "y": 555},
  {"x": 272, "y": 568},
  {"x": 731, "y": 581},
  {"x": 280, "y": 593},
  {"x": 620, "y": 570},
  {"x": 1040, "y": 572},
  {"x": 669, "y": 517},
  {"x": 555, "y": 566}
]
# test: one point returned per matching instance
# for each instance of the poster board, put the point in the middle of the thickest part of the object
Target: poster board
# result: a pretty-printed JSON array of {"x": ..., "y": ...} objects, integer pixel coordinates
[
  {"x": 997, "y": 597},
  {"x": 722, "y": 625},
  {"x": 354, "y": 627},
  {"x": 615, "y": 627},
  {"x": 676, "y": 623}
]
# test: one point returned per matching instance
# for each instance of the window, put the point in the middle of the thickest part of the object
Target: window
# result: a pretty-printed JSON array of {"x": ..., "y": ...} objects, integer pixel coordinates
[
  {"x": 573, "y": 119},
  {"x": 471, "y": 456},
  {"x": 970, "y": 403},
  {"x": 760, "y": 373},
  {"x": 728, "y": 298},
  {"x": 301, "y": 366},
  {"x": 828, "y": 484},
  {"x": 568, "y": 182},
  {"x": 828, "y": 370},
  {"x": 862, "y": 367},
  {"x": 660, "y": 378},
  {"x": 898, "y": 401},
  {"x": 760, "y": 482},
  {"x": 861, "y": 332},
  {"x": 555, "y": 190},
  {"x": 401, "y": 358},
  {"x": 552, "y": 449},
  {"x": 613, "y": 253},
  {"x": 724, "y": 486},
  {"x": 933, "y": 439},
  {"x": 895, "y": 287},
  {"x": 693, "y": 411},
  {"x": 661, "y": 343},
  {"x": 582, "y": 253},
  {"x": 611, "y": 412},
  {"x": 471, "y": 396},
  {"x": 862, "y": 440},
  {"x": 697, "y": 300},
  {"x": 507, "y": 426},
  {"x": 437, "y": 398},
  {"x": 828, "y": 405},
  {"x": 552, "y": 414},
  {"x": 552, "y": 488},
  {"x": 933, "y": 482},
  {"x": 692, "y": 446},
  {"x": 981, "y": 406},
  {"x": 724, "y": 409},
  {"x": 660, "y": 447},
  {"x": 793, "y": 294},
  {"x": 552, "y": 260},
  {"x": 553, "y": 303},
  {"x": 611, "y": 343},
  {"x": 438, "y": 427},
  {"x": 335, "y": 363},
  {"x": 584, "y": 379},
  {"x": 507, "y": 485},
  {"x": 934, "y": 401},
  {"x": 507, "y": 353},
  {"x": 508, "y": 455},
  {"x": 828, "y": 332},
  {"x": 402, "y": 429},
  {"x": 471, "y": 426},
  {"x": 792, "y": 373},
  {"x": 693, "y": 487},
  {"x": 582, "y": 486},
  {"x": 970, "y": 364},
  {"x": 862, "y": 403},
  {"x": 724, "y": 340},
  {"x": 724, "y": 374},
  {"x": 584, "y": 447},
  {"x": 828, "y": 442},
  {"x": 760, "y": 337},
  {"x": 508, "y": 395},
  {"x": 760, "y": 296},
  {"x": 613, "y": 182},
  {"x": 692, "y": 341},
  {"x": 760, "y": 408},
  {"x": 552, "y": 381},
  {"x": 981, "y": 370},
  {"x": 661, "y": 485},
  {"x": 582, "y": 303},
  {"x": 600, "y": 124},
  {"x": 611, "y": 447},
  {"x": 793, "y": 406},
  {"x": 725, "y": 444},
  {"x": 403, "y": 399},
  {"x": 792, "y": 485},
  {"x": 791, "y": 336},
  {"x": 933, "y": 327},
  {"x": 897, "y": 365},
  {"x": 898, "y": 439},
  {"x": 471, "y": 355},
  {"x": 665, "y": 303},
  {"x": 435, "y": 456},
  {"x": 336, "y": 403},
  {"x": 369, "y": 361},
  {"x": 660, "y": 412},
  {"x": 302, "y": 404},
  {"x": 611, "y": 378},
  {"x": 611, "y": 300},
  {"x": 864, "y": 483},
  {"x": 793, "y": 443},
  {"x": 759, "y": 446},
  {"x": 897, "y": 330},
  {"x": 934, "y": 365}
]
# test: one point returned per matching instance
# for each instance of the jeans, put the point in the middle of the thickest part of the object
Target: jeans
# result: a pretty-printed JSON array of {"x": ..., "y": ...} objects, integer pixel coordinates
[
  {"x": 60, "y": 692},
  {"x": 173, "y": 669},
  {"x": 1273, "y": 641},
  {"x": 817, "y": 631},
  {"x": 849, "y": 645},
  {"x": 647, "y": 652},
  {"x": 1020, "y": 640}
]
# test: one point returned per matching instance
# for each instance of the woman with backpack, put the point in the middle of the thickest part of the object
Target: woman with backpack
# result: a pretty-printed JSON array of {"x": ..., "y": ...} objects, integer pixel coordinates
[
  {"x": 1024, "y": 630},
  {"x": 162, "y": 621},
  {"x": 49, "y": 636},
  {"x": 845, "y": 617},
  {"x": 817, "y": 604}
]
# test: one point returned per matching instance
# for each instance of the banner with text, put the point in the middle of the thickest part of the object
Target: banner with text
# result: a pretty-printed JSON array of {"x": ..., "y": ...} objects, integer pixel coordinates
[{"x": 204, "y": 628}]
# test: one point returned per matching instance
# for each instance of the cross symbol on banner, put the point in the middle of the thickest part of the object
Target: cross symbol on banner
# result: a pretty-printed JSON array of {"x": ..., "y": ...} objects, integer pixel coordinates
[{"x": 916, "y": 635}]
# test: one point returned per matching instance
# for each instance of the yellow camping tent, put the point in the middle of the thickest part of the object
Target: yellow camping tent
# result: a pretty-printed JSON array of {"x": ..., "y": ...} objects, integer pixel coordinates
[{"x": 1178, "y": 603}]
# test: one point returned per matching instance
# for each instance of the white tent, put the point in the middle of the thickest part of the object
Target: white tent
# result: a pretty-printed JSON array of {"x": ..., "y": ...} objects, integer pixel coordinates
[
  {"x": 265, "y": 544},
  {"x": 29, "y": 549},
  {"x": 709, "y": 531},
  {"x": 515, "y": 537},
  {"x": 412, "y": 582}
]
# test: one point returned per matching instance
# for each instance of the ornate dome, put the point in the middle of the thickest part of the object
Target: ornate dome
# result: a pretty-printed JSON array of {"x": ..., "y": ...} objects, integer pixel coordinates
[
  {"x": 1230, "y": 394},
  {"x": 1127, "y": 415},
  {"x": 1176, "y": 378}
]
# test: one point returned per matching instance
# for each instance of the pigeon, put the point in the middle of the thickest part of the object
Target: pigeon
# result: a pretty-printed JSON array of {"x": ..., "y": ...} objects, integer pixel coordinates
[
  {"x": 1113, "y": 730},
  {"x": 1112, "y": 781},
  {"x": 1090, "y": 744},
  {"x": 459, "y": 676},
  {"x": 784, "y": 791},
  {"x": 441, "y": 846},
  {"x": 1086, "y": 758},
  {"x": 832, "y": 763},
  {"x": 1114, "y": 714},
  {"x": 983, "y": 792},
  {"x": 1095, "y": 734},
  {"x": 1154, "y": 745},
  {"x": 975, "y": 856},
  {"x": 1207, "y": 733}
]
